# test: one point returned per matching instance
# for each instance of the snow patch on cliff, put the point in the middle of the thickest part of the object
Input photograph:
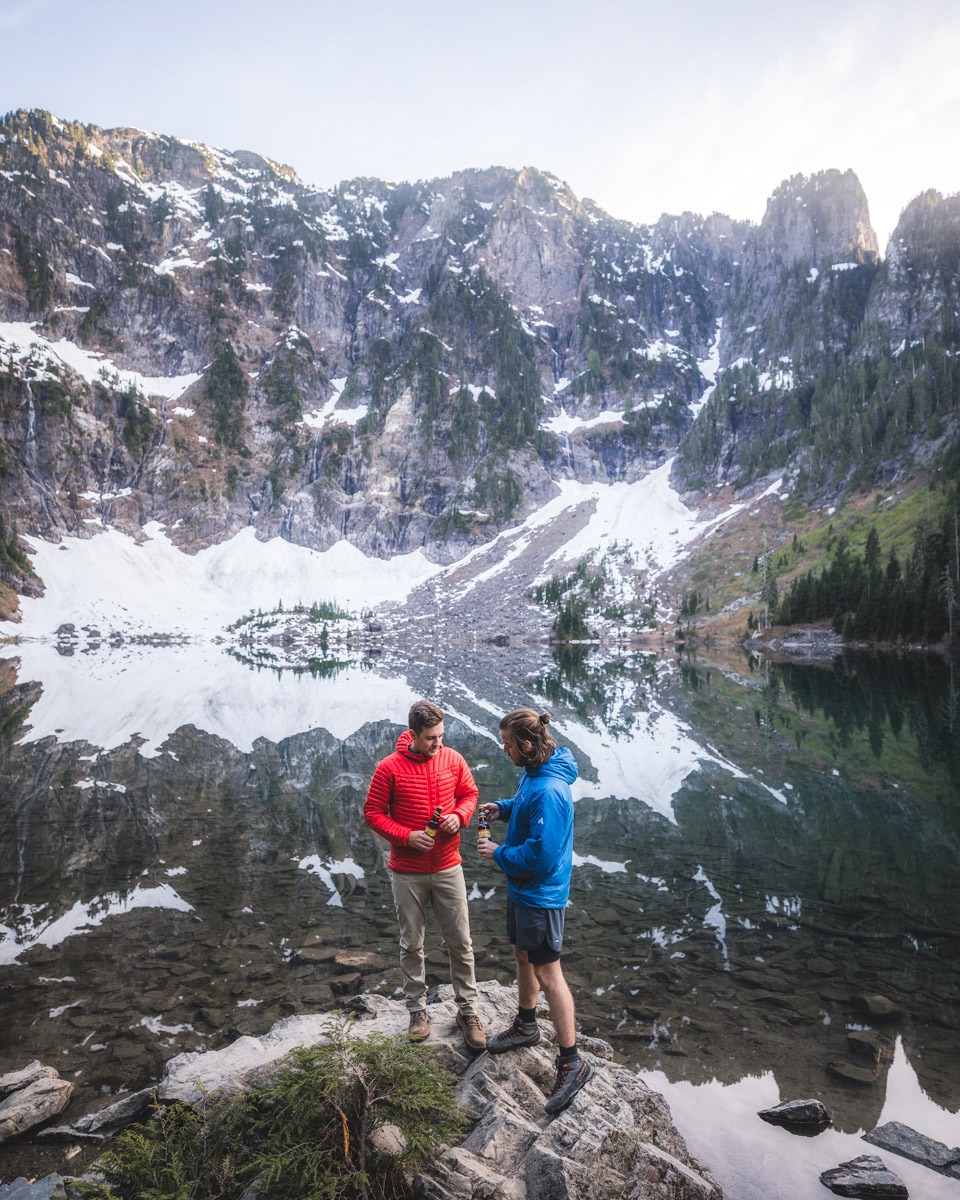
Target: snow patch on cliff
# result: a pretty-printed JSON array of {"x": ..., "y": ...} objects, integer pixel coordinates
[
  {"x": 563, "y": 423},
  {"x": 647, "y": 517},
  {"x": 22, "y": 341},
  {"x": 709, "y": 369}
]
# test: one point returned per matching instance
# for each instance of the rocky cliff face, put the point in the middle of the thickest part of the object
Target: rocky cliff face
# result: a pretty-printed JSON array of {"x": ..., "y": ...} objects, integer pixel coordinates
[
  {"x": 197, "y": 337},
  {"x": 919, "y": 296},
  {"x": 836, "y": 368},
  {"x": 793, "y": 292},
  {"x": 212, "y": 344}
]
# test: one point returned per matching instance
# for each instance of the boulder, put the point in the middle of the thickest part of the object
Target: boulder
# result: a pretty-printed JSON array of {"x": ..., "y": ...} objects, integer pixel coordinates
[
  {"x": 13, "y": 1081},
  {"x": 865, "y": 1177},
  {"x": 901, "y": 1139},
  {"x": 97, "y": 1126},
  {"x": 32, "y": 1105},
  {"x": 805, "y": 1116},
  {"x": 49, "y": 1188}
]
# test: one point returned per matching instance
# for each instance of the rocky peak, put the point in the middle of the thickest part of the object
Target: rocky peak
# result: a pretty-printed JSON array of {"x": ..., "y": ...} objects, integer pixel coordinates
[
  {"x": 801, "y": 287},
  {"x": 918, "y": 292},
  {"x": 818, "y": 220}
]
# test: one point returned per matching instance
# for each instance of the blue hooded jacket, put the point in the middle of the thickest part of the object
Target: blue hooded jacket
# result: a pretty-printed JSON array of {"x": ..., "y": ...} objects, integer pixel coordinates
[{"x": 537, "y": 857}]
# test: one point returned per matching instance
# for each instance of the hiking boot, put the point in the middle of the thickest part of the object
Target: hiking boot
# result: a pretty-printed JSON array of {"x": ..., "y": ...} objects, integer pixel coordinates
[
  {"x": 472, "y": 1031},
  {"x": 571, "y": 1076},
  {"x": 519, "y": 1034},
  {"x": 419, "y": 1027}
]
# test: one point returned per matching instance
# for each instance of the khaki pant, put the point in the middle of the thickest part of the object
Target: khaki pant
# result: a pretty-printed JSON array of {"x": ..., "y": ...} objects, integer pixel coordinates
[{"x": 446, "y": 893}]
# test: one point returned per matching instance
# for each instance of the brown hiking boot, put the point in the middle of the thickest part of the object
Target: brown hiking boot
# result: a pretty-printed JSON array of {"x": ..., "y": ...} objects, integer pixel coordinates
[
  {"x": 472, "y": 1031},
  {"x": 419, "y": 1027}
]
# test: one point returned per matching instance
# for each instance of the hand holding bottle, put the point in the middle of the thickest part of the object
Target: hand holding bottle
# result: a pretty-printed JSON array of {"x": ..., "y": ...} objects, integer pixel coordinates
[{"x": 485, "y": 845}]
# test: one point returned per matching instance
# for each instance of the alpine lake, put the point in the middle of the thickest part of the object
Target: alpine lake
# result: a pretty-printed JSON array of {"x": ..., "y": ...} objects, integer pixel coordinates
[{"x": 759, "y": 847}]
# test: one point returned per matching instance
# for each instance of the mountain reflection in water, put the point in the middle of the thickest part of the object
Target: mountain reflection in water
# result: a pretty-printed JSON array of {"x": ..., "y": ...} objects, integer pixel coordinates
[{"x": 757, "y": 846}]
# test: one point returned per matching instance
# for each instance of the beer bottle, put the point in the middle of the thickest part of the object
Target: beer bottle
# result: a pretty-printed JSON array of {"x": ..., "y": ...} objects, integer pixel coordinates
[
  {"x": 483, "y": 826},
  {"x": 434, "y": 823}
]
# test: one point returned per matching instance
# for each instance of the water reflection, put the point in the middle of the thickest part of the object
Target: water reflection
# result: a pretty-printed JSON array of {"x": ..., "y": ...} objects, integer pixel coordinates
[
  {"x": 758, "y": 846},
  {"x": 779, "y": 1165}
]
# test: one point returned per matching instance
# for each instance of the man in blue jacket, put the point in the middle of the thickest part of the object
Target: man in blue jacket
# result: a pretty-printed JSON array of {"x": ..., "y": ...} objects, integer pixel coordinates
[{"x": 537, "y": 859}]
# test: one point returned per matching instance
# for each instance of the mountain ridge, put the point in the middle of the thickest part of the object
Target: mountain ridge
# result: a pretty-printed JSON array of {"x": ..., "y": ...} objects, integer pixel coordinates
[{"x": 416, "y": 365}]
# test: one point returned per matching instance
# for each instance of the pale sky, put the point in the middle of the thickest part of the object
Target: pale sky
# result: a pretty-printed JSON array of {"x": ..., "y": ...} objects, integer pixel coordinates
[{"x": 645, "y": 107}]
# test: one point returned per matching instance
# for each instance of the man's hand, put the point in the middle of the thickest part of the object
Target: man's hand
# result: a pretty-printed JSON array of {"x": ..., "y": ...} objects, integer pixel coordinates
[
  {"x": 450, "y": 824},
  {"x": 418, "y": 839},
  {"x": 491, "y": 811},
  {"x": 485, "y": 847}
]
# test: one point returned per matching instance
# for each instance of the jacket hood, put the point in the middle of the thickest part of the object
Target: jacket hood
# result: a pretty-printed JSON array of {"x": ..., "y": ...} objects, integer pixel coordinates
[
  {"x": 403, "y": 745},
  {"x": 561, "y": 765}
]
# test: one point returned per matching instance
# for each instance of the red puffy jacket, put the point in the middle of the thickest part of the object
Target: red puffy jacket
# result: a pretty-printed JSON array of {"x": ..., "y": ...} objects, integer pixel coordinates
[{"x": 404, "y": 792}]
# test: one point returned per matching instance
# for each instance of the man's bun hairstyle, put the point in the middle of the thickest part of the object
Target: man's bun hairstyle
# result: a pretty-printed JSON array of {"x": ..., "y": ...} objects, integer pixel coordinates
[{"x": 529, "y": 732}]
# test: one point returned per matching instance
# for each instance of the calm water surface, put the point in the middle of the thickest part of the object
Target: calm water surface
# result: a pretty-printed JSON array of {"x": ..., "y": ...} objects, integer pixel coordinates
[{"x": 757, "y": 847}]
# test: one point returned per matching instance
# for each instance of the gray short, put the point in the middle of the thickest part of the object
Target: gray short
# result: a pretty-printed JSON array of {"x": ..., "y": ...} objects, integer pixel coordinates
[{"x": 537, "y": 931}]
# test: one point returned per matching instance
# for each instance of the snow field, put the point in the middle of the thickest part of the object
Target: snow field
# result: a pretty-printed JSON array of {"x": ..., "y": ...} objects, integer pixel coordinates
[{"x": 111, "y": 582}]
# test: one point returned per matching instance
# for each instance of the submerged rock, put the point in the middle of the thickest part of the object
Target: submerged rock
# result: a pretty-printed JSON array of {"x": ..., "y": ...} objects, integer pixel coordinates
[
  {"x": 32, "y": 1105},
  {"x": 806, "y": 1116},
  {"x": 864, "y": 1076},
  {"x": 879, "y": 1008},
  {"x": 901, "y": 1139},
  {"x": 865, "y": 1177},
  {"x": 868, "y": 1043}
]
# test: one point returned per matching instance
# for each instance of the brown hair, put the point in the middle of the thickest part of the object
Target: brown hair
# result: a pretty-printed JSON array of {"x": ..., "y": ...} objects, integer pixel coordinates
[
  {"x": 423, "y": 715},
  {"x": 529, "y": 731}
]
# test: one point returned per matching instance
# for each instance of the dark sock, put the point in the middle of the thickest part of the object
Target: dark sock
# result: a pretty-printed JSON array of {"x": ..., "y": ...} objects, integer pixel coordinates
[
  {"x": 568, "y": 1053},
  {"x": 528, "y": 1016}
]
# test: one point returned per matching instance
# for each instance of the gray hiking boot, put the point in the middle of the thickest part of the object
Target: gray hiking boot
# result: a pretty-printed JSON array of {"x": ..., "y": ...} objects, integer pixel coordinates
[
  {"x": 571, "y": 1076},
  {"x": 519, "y": 1034}
]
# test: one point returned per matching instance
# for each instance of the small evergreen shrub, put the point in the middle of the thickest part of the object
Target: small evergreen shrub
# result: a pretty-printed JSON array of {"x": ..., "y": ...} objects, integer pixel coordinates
[{"x": 305, "y": 1131}]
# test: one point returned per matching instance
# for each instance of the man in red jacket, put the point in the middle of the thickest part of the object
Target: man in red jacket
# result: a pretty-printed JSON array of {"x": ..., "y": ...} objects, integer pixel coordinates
[{"x": 406, "y": 789}]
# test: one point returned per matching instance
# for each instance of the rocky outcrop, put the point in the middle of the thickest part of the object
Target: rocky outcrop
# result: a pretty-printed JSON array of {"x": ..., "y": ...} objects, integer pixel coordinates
[
  {"x": 97, "y": 1126},
  {"x": 615, "y": 1140},
  {"x": 918, "y": 289}
]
